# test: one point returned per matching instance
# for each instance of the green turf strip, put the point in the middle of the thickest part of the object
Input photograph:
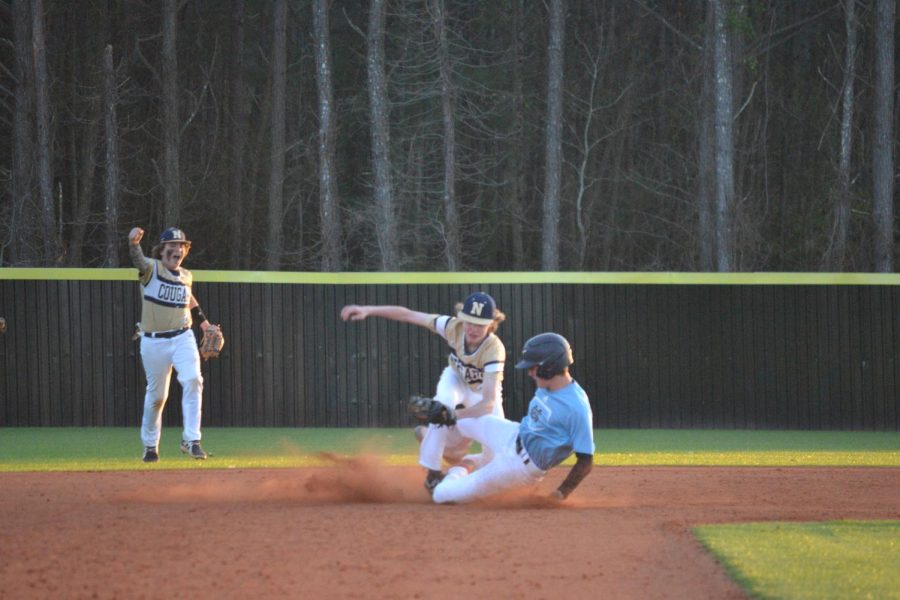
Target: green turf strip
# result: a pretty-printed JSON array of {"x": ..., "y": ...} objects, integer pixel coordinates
[
  {"x": 119, "y": 448},
  {"x": 838, "y": 559}
]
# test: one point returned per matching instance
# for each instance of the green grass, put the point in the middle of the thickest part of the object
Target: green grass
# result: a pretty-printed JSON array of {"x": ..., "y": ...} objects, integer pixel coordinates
[
  {"x": 838, "y": 559},
  {"x": 748, "y": 448},
  {"x": 117, "y": 448}
]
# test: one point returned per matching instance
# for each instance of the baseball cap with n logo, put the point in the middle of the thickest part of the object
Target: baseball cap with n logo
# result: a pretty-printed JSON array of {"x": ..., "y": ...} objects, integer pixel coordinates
[
  {"x": 173, "y": 234},
  {"x": 479, "y": 308}
]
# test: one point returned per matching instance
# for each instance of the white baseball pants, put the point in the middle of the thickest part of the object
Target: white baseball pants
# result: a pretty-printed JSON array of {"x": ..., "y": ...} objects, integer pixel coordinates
[
  {"x": 159, "y": 356},
  {"x": 451, "y": 392},
  {"x": 506, "y": 470}
]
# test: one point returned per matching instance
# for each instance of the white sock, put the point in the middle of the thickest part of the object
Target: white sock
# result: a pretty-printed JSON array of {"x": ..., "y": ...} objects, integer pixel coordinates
[{"x": 456, "y": 472}]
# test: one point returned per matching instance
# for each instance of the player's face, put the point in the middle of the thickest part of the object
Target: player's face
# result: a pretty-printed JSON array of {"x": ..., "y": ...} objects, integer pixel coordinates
[
  {"x": 475, "y": 334},
  {"x": 173, "y": 253}
]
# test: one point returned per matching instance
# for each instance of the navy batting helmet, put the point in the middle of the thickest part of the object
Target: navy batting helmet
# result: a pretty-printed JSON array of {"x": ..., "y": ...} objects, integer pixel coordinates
[{"x": 550, "y": 352}]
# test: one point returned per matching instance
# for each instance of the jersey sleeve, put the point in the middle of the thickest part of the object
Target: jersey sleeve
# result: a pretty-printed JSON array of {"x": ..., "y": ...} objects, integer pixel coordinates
[
  {"x": 438, "y": 324},
  {"x": 143, "y": 264},
  {"x": 494, "y": 355},
  {"x": 583, "y": 430},
  {"x": 145, "y": 275}
]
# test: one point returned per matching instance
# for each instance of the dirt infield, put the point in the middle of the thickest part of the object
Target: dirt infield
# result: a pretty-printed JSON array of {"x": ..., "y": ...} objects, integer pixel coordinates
[{"x": 363, "y": 530}]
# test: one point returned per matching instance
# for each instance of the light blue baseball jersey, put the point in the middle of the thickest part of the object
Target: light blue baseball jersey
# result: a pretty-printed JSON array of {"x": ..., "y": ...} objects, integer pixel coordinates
[{"x": 557, "y": 424}]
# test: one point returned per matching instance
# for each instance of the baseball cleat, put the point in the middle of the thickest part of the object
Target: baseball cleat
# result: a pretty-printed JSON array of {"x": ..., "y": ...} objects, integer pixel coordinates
[
  {"x": 432, "y": 480},
  {"x": 193, "y": 449},
  {"x": 150, "y": 455}
]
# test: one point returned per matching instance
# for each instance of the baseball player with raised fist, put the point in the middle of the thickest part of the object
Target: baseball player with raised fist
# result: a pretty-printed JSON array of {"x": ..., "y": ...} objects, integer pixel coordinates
[
  {"x": 559, "y": 422},
  {"x": 472, "y": 382},
  {"x": 168, "y": 308}
]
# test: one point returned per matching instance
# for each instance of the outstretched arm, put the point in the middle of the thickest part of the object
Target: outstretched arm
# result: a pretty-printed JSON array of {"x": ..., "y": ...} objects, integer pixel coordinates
[
  {"x": 354, "y": 312},
  {"x": 140, "y": 262},
  {"x": 583, "y": 465}
]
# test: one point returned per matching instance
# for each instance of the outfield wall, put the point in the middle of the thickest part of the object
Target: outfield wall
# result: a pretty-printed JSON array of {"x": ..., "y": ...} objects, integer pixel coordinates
[{"x": 653, "y": 350}]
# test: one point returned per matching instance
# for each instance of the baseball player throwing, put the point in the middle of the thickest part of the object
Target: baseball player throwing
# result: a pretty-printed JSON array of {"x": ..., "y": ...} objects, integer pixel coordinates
[
  {"x": 472, "y": 382},
  {"x": 559, "y": 422},
  {"x": 168, "y": 305}
]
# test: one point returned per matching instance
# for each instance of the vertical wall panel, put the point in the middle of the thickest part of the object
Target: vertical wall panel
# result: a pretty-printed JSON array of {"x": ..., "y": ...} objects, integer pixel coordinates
[{"x": 8, "y": 374}]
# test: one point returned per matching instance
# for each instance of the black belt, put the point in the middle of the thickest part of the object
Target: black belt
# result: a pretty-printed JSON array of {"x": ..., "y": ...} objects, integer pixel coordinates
[
  {"x": 526, "y": 459},
  {"x": 165, "y": 334}
]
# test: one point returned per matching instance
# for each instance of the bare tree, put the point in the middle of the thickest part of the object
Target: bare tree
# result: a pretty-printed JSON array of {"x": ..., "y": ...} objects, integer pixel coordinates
[
  {"x": 111, "y": 127},
  {"x": 23, "y": 215},
  {"x": 328, "y": 198},
  {"x": 705, "y": 152},
  {"x": 452, "y": 245},
  {"x": 85, "y": 180},
  {"x": 386, "y": 216},
  {"x": 836, "y": 253},
  {"x": 274, "y": 238},
  {"x": 724, "y": 138},
  {"x": 882, "y": 149},
  {"x": 518, "y": 147},
  {"x": 237, "y": 113},
  {"x": 51, "y": 245},
  {"x": 585, "y": 112},
  {"x": 553, "y": 149},
  {"x": 171, "y": 134}
]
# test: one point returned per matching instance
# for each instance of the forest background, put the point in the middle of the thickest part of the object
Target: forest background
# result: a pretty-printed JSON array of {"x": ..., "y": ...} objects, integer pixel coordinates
[{"x": 452, "y": 135}]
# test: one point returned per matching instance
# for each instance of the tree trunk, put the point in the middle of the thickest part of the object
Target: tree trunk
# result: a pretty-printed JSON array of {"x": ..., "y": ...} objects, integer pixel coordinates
[
  {"x": 452, "y": 244},
  {"x": 85, "y": 182},
  {"x": 238, "y": 120},
  {"x": 836, "y": 254},
  {"x": 111, "y": 128},
  {"x": 51, "y": 248},
  {"x": 882, "y": 148},
  {"x": 274, "y": 237},
  {"x": 724, "y": 135},
  {"x": 171, "y": 135},
  {"x": 553, "y": 157},
  {"x": 386, "y": 215},
  {"x": 705, "y": 155},
  {"x": 252, "y": 226},
  {"x": 518, "y": 147},
  {"x": 328, "y": 200},
  {"x": 22, "y": 226}
]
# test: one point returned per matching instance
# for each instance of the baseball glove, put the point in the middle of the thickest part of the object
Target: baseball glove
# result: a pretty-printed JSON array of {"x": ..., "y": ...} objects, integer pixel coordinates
[
  {"x": 428, "y": 410},
  {"x": 212, "y": 342}
]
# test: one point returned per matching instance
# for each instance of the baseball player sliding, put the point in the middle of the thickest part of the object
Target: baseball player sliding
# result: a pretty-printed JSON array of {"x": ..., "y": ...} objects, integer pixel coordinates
[
  {"x": 168, "y": 305},
  {"x": 559, "y": 421},
  {"x": 472, "y": 382}
]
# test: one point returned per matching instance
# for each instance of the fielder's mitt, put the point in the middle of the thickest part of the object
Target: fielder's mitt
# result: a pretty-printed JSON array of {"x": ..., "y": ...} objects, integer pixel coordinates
[
  {"x": 428, "y": 410},
  {"x": 212, "y": 342}
]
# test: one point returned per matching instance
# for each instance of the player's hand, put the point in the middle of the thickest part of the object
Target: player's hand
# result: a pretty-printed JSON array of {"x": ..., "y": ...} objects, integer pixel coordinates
[
  {"x": 352, "y": 312},
  {"x": 135, "y": 235}
]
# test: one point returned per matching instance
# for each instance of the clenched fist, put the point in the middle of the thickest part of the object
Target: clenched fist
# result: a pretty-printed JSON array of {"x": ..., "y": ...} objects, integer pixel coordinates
[{"x": 135, "y": 235}]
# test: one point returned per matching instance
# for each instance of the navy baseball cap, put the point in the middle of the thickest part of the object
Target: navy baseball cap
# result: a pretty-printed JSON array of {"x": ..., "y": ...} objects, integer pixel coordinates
[
  {"x": 173, "y": 234},
  {"x": 479, "y": 308}
]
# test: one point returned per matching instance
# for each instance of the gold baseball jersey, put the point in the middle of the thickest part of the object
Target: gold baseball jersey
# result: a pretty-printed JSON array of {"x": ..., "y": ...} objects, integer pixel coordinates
[
  {"x": 166, "y": 297},
  {"x": 488, "y": 357}
]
